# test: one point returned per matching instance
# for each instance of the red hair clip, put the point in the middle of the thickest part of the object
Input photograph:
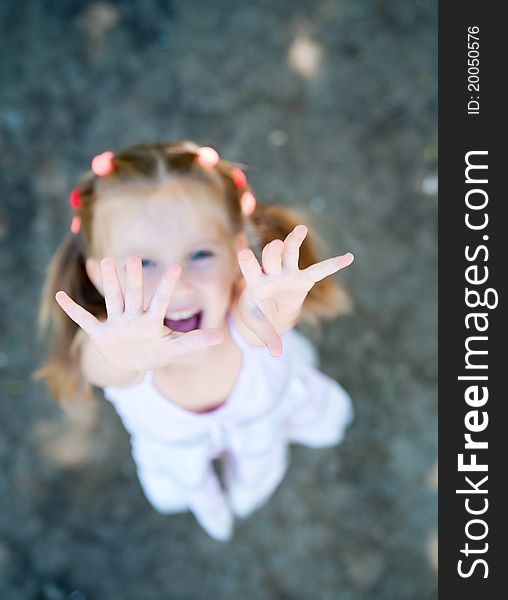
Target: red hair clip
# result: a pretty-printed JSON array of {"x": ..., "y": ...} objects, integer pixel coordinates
[
  {"x": 207, "y": 157},
  {"x": 102, "y": 164},
  {"x": 248, "y": 202}
]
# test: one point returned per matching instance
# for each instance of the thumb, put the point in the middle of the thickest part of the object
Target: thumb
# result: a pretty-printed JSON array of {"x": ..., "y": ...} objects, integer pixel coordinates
[
  {"x": 194, "y": 340},
  {"x": 266, "y": 332}
]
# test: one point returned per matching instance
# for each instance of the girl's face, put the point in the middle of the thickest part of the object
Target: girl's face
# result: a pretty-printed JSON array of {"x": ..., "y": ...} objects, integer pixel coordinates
[{"x": 165, "y": 228}]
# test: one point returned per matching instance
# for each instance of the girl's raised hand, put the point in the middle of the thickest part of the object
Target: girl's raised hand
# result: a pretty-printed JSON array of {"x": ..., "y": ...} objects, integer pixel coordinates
[
  {"x": 274, "y": 294},
  {"x": 132, "y": 338}
]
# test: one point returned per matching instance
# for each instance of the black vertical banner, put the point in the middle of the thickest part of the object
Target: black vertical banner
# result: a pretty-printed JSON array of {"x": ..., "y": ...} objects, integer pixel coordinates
[{"x": 473, "y": 254}]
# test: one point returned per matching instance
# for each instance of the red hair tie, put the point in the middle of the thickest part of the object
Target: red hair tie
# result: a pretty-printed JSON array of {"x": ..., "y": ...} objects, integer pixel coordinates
[
  {"x": 239, "y": 178},
  {"x": 207, "y": 157},
  {"x": 102, "y": 164},
  {"x": 248, "y": 203},
  {"x": 75, "y": 224},
  {"x": 75, "y": 199}
]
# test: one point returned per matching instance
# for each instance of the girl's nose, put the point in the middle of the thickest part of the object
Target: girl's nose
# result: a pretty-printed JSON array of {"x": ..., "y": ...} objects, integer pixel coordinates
[{"x": 184, "y": 288}]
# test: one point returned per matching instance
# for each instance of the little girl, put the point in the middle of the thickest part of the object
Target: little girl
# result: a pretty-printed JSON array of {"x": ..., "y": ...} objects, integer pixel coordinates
[{"x": 190, "y": 337}]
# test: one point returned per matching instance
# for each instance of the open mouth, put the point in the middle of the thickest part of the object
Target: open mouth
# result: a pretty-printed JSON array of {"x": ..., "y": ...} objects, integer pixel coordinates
[{"x": 185, "y": 323}]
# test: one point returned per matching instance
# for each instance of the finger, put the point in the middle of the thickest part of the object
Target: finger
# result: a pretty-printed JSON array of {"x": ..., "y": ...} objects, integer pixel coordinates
[
  {"x": 162, "y": 296},
  {"x": 327, "y": 267},
  {"x": 265, "y": 331},
  {"x": 77, "y": 313},
  {"x": 271, "y": 257},
  {"x": 133, "y": 285},
  {"x": 249, "y": 266},
  {"x": 112, "y": 288},
  {"x": 194, "y": 340},
  {"x": 292, "y": 243}
]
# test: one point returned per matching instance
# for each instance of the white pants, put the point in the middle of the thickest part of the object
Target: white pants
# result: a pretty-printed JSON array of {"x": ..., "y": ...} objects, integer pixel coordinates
[{"x": 254, "y": 457}]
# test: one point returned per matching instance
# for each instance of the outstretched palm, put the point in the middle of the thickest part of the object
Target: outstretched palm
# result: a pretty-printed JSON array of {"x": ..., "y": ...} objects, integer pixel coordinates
[
  {"x": 133, "y": 338},
  {"x": 278, "y": 289}
]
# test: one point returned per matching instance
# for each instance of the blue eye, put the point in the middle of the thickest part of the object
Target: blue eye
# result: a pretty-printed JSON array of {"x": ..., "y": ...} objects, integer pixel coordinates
[
  {"x": 146, "y": 262},
  {"x": 200, "y": 255}
]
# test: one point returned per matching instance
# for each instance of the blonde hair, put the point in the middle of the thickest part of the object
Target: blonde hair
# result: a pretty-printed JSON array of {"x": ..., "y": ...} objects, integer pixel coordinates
[{"x": 152, "y": 164}]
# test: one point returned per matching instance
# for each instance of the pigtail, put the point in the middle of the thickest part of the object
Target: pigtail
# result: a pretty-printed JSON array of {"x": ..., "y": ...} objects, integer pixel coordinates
[
  {"x": 327, "y": 298},
  {"x": 67, "y": 272}
]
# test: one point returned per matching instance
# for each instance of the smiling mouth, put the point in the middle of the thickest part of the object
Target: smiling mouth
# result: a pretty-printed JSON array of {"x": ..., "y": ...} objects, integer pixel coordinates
[{"x": 184, "y": 325}]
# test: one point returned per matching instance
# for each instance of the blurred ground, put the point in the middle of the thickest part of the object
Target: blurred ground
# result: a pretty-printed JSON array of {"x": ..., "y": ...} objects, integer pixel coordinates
[{"x": 334, "y": 106}]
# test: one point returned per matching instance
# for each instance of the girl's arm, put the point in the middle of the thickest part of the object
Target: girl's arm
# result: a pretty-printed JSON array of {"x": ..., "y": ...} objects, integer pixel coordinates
[{"x": 272, "y": 297}]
